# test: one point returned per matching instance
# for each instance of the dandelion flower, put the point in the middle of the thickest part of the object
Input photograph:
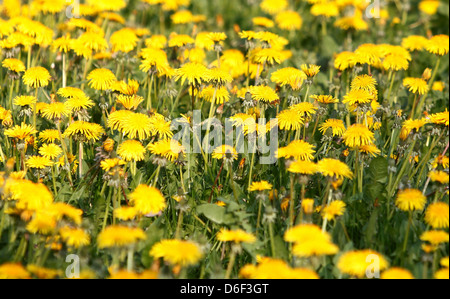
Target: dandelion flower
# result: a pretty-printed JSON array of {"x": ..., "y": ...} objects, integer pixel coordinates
[
  {"x": 414, "y": 43},
  {"x": 148, "y": 200},
  {"x": 355, "y": 263},
  {"x": 21, "y": 132},
  {"x": 410, "y": 200},
  {"x": 436, "y": 215},
  {"x": 123, "y": 40},
  {"x": 289, "y": 76},
  {"x": 260, "y": 186},
  {"x": 14, "y": 65},
  {"x": 309, "y": 240},
  {"x": 297, "y": 149},
  {"x": 119, "y": 236},
  {"x": 101, "y": 79},
  {"x": 289, "y": 20},
  {"x": 303, "y": 167},
  {"x": 435, "y": 237},
  {"x": 55, "y": 110},
  {"x": 290, "y": 120},
  {"x": 335, "y": 208},
  {"x": 396, "y": 273},
  {"x": 126, "y": 213},
  {"x": 442, "y": 274},
  {"x": 438, "y": 45},
  {"x": 39, "y": 162},
  {"x": 177, "y": 252},
  {"x": 194, "y": 73},
  {"x": 225, "y": 152},
  {"x": 13, "y": 271},
  {"x": 74, "y": 237},
  {"x": 274, "y": 6},
  {"x": 416, "y": 85},
  {"x": 169, "y": 149},
  {"x": 131, "y": 150},
  {"x": 36, "y": 77},
  {"x": 236, "y": 236},
  {"x": 49, "y": 135},
  {"x": 50, "y": 151},
  {"x": 336, "y": 125},
  {"x": 136, "y": 125},
  {"x": 264, "y": 94},
  {"x": 221, "y": 94},
  {"x": 325, "y": 99},
  {"x": 358, "y": 135},
  {"x": 334, "y": 168}
]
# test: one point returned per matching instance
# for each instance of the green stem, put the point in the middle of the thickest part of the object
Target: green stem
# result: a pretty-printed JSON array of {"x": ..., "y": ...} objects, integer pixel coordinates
[{"x": 230, "y": 264}]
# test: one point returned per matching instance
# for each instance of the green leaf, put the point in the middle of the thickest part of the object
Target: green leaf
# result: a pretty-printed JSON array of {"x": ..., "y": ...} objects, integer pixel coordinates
[
  {"x": 378, "y": 170},
  {"x": 215, "y": 213}
]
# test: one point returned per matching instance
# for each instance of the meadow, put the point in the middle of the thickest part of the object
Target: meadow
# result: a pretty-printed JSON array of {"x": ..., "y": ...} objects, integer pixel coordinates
[{"x": 200, "y": 139}]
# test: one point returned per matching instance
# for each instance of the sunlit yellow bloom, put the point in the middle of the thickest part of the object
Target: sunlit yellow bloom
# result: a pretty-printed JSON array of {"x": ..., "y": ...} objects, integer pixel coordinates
[
  {"x": 131, "y": 150},
  {"x": 416, "y": 85},
  {"x": 355, "y": 263},
  {"x": 273, "y": 6},
  {"x": 429, "y": 7},
  {"x": 177, "y": 252},
  {"x": 289, "y": 77},
  {"x": 290, "y": 120},
  {"x": 74, "y": 237},
  {"x": 269, "y": 268},
  {"x": 435, "y": 237},
  {"x": 438, "y": 45},
  {"x": 101, "y": 79},
  {"x": 289, "y": 20},
  {"x": 325, "y": 99},
  {"x": 14, "y": 65},
  {"x": 39, "y": 162},
  {"x": 336, "y": 125},
  {"x": 225, "y": 152},
  {"x": 297, "y": 149},
  {"x": 309, "y": 240},
  {"x": 335, "y": 208},
  {"x": 303, "y": 167},
  {"x": 126, "y": 213},
  {"x": 310, "y": 70},
  {"x": 21, "y": 132},
  {"x": 414, "y": 42},
  {"x": 13, "y": 271},
  {"x": 169, "y": 149},
  {"x": 263, "y": 22},
  {"x": 120, "y": 236},
  {"x": 237, "y": 236},
  {"x": 148, "y": 200},
  {"x": 123, "y": 40},
  {"x": 436, "y": 215},
  {"x": 36, "y": 77},
  {"x": 260, "y": 186},
  {"x": 358, "y": 135},
  {"x": 263, "y": 93},
  {"x": 194, "y": 73},
  {"x": 396, "y": 273},
  {"x": 50, "y": 151},
  {"x": 410, "y": 200},
  {"x": 334, "y": 168}
]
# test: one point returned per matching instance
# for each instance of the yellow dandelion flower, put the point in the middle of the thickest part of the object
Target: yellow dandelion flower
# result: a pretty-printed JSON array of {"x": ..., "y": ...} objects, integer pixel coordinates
[
  {"x": 39, "y": 162},
  {"x": 310, "y": 70},
  {"x": 194, "y": 73},
  {"x": 358, "y": 135},
  {"x": 148, "y": 200},
  {"x": 410, "y": 200},
  {"x": 20, "y": 132},
  {"x": 290, "y": 120},
  {"x": 84, "y": 131},
  {"x": 260, "y": 186},
  {"x": 442, "y": 274},
  {"x": 264, "y": 94},
  {"x": 303, "y": 167},
  {"x": 43, "y": 273},
  {"x": 438, "y": 45},
  {"x": 119, "y": 236},
  {"x": 55, "y": 110},
  {"x": 429, "y": 7},
  {"x": 441, "y": 118},
  {"x": 325, "y": 99},
  {"x": 358, "y": 97},
  {"x": 416, "y": 85},
  {"x": 355, "y": 263},
  {"x": 309, "y": 240},
  {"x": 274, "y": 6},
  {"x": 414, "y": 43},
  {"x": 131, "y": 150},
  {"x": 335, "y": 208},
  {"x": 289, "y": 20},
  {"x": 126, "y": 213},
  {"x": 289, "y": 76},
  {"x": 136, "y": 125},
  {"x": 344, "y": 60},
  {"x": 396, "y": 273},
  {"x": 436, "y": 215},
  {"x": 225, "y": 152},
  {"x": 169, "y": 149},
  {"x": 177, "y": 252},
  {"x": 298, "y": 150},
  {"x": 236, "y": 236},
  {"x": 123, "y": 40},
  {"x": 334, "y": 168},
  {"x": 101, "y": 79},
  {"x": 263, "y": 22},
  {"x": 13, "y": 271},
  {"x": 180, "y": 40},
  {"x": 50, "y": 151},
  {"x": 49, "y": 136},
  {"x": 305, "y": 109},
  {"x": 74, "y": 237},
  {"x": 36, "y": 77},
  {"x": 336, "y": 125},
  {"x": 14, "y": 65},
  {"x": 435, "y": 237}
]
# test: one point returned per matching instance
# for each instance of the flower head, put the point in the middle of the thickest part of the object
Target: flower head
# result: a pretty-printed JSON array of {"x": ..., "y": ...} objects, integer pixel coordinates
[
  {"x": 119, "y": 236},
  {"x": 36, "y": 77},
  {"x": 237, "y": 236},
  {"x": 355, "y": 263},
  {"x": 410, "y": 200},
  {"x": 101, "y": 79},
  {"x": 148, "y": 200},
  {"x": 177, "y": 252}
]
